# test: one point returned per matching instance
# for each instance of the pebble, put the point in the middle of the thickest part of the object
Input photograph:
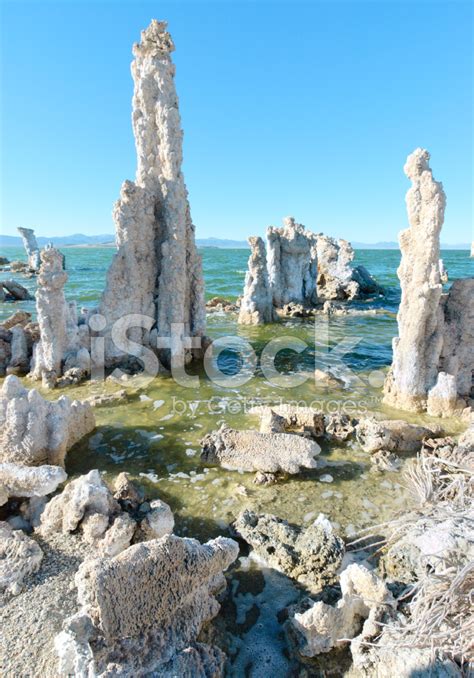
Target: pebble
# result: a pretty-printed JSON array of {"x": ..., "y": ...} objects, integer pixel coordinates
[{"x": 326, "y": 478}]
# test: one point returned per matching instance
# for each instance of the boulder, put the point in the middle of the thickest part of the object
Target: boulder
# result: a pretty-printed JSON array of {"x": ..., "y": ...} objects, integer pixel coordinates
[
  {"x": 254, "y": 451},
  {"x": 142, "y": 611},
  {"x": 20, "y": 556},
  {"x": 364, "y": 601},
  {"x": 29, "y": 481},
  {"x": 15, "y": 290},
  {"x": 394, "y": 435},
  {"x": 311, "y": 555},
  {"x": 158, "y": 522}
]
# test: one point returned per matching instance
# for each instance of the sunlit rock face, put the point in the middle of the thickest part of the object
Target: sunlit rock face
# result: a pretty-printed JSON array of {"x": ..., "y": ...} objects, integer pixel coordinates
[
  {"x": 157, "y": 271},
  {"x": 292, "y": 263},
  {"x": 433, "y": 355},
  {"x": 256, "y": 306},
  {"x": 31, "y": 247},
  {"x": 335, "y": 272},
  {"x": 64, "y": 343},
  {"x": 141, "y": 612}
]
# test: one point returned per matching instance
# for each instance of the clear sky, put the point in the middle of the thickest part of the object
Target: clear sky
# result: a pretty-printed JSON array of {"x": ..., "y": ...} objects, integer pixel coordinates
[{"x": 301, "y": 108}]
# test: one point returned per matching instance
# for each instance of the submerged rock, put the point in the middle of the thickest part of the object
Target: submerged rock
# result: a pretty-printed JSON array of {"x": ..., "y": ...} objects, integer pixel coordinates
[
  {"x": 142, "y": 611},
  {"x": 339, "y": 427},
  {"x": 256, "y": 306},
  {"x": 311, "y": 555},
  {"x": 254, "y": 451},
  {"x": 19, "y": 556},
  {"x": 36, "y": 431}
]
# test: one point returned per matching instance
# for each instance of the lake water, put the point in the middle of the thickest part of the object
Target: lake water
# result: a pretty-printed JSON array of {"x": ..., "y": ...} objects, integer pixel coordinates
[{"x": 156, "y": 435}]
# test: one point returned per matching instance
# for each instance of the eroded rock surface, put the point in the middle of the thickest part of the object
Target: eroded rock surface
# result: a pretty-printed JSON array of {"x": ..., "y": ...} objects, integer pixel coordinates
[
  {"x": 31, "y": 247},
  {"x": 256, "y": 306},
  {"x": 255, "y": 451},
  {"x": 433, "y": 356},
  {"x": 365, "y": 599},
  {"x": 311, "y": 555},
  {"x": 142, "y": 611},
  {"x": 394, "y": 435},
  {"x": 29, "y": 481},
  {"x": 36, "y": 431},
  {"x": 157, "y": 271},
  {"x": 63, "y": 344},
  {"x": 19, "y": 556}
]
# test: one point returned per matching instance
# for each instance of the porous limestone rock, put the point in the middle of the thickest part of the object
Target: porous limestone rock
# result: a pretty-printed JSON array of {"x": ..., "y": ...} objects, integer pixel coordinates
[
  {"x": 29, "y": 481},
  {"x": 31, "y": 247},
  {"x": 61, "y": 346},
  {"x": 158, "y": 521},
  {"x": 142, "y": 611},
  {"x": 394, "y": 435},
  {"x": 311, "y": 555},
  {"x": 365, "y": 599},
  {"x": 85, "y": 496},
  {"x": 294, "y": 417},
  {"x": 334, "y": 269},
  {"x": 426, "y": 544},
  {"x": 433, "y": 356},
  {"x": 256, "y": 306},
  {"x": 339, "y": 427},
  {"x": 157, "y": 271},
  {"x": 118, "y": 536},
  {"x": 18, "y": 318},
  {"x": 255, "y": 451},
  {"x": 36, "y": 431},
  {"x": 20, "y": 556},
  {"x": 292, "y": 263}
]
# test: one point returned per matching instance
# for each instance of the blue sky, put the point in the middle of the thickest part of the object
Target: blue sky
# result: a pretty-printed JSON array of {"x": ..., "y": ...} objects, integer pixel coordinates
[{"x": 302, "y": 108}]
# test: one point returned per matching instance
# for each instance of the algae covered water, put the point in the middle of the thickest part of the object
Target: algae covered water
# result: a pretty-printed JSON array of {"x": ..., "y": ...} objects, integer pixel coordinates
[{"x": 155, "y": 435}]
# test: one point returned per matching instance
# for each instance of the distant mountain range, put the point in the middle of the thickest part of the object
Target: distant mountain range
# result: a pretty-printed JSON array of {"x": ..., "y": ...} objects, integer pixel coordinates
[{"x": 108, "y": 239}]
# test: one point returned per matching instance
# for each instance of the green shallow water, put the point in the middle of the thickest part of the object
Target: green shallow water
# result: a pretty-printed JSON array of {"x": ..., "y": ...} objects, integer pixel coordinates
[{"x": 155, "y": 436}]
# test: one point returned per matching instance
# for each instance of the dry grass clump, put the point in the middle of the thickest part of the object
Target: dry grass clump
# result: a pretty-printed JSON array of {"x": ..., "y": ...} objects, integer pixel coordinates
[{"x": 439, "y": 606}]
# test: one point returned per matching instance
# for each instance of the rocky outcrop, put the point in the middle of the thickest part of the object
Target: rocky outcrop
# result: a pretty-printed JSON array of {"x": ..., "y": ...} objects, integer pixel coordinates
[
  {"x": 142, "y": 611},
  {"x": 20, "y": 556},
  {"x": 311, "y": 555},
  {"x": 31, "y": 247},
  {"x": 303, "y": 269},
  {"x": 303, "y": 419},
  {"x": 157, "y": 271},
  {"x": 64, "y": 343},
  {"x": 292, "y": 263},
  {"x": 110, "y": 522},
  {"x": 14, "y": 291},
  {"x": 35, "y": 431},
  {"x": 29, "y": 481},
  {"x": 433, "y": 356},
  {"x": 255, "y": 451},
  {"x": 355, "y": 618},
  {"x": 394, "y": 435},
  {"x": 256, "y": 306}
]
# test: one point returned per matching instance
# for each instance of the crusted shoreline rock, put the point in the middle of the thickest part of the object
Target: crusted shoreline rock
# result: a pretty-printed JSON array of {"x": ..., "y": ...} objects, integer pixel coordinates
[
  {"x": 394, "y": 435},
  {"x": 304, "y": 419},
  {"x": 142, "y": 611},
  {"x": 35, "y": 431},
  {"x": 29, "y": 481},
  {"x": 256, "y": 306},
  {"x": 365, "y": 599},
  {"x": 157, "y": 271},
  {"x": 311, "y": 555},
  {"x": 255, "y": 451},
  {"x": 433, "y": 356}
]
